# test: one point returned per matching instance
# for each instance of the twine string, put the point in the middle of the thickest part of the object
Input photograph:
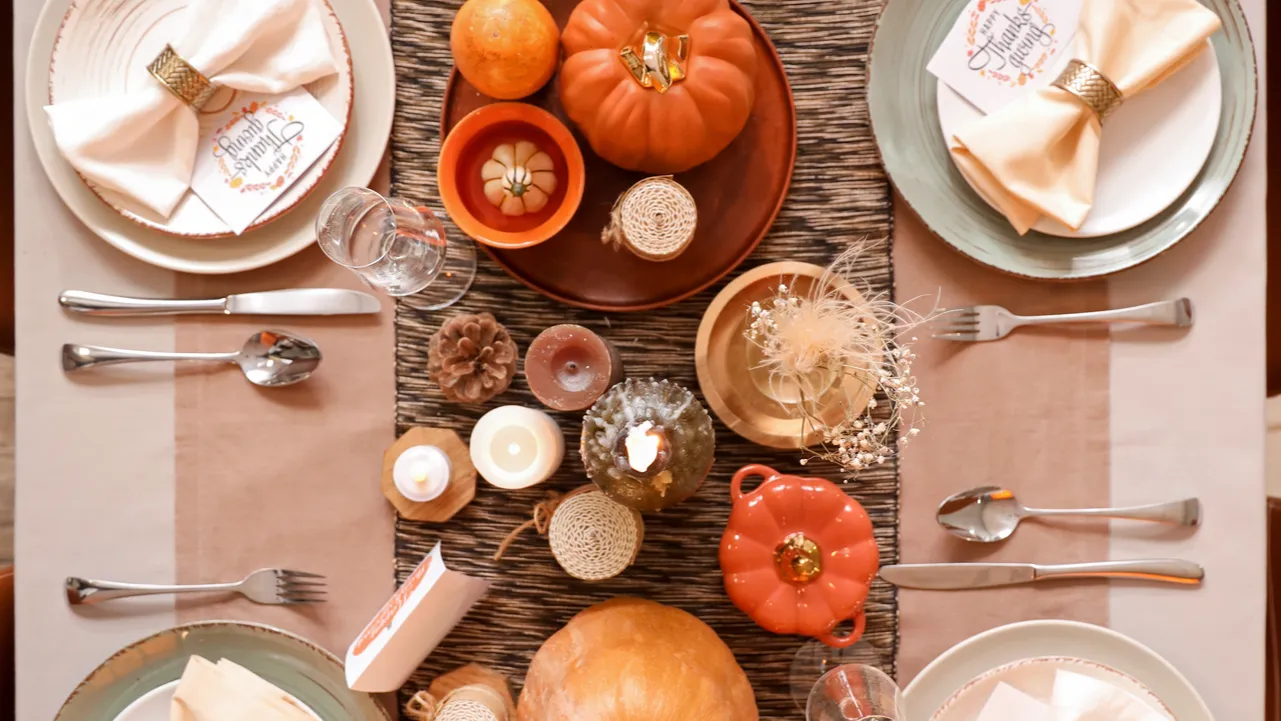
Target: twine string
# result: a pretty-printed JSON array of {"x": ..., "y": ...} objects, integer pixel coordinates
[
  {"x": 468, "y": 703},
  {"x": 540, "y": 521}
]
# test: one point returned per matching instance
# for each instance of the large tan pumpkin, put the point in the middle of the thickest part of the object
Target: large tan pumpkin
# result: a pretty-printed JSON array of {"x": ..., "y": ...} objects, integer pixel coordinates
[
  {"x": 640, "y": 128},
  {"x": 634, "y": 660}
]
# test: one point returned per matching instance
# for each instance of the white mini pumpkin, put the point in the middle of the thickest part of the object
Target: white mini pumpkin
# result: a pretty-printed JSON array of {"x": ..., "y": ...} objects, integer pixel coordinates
[{"x": 519, "y": 178}]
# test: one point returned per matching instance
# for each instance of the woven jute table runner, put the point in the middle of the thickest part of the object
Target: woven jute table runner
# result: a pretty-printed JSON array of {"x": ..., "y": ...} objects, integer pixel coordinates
[{"x": 839, "y": 194}]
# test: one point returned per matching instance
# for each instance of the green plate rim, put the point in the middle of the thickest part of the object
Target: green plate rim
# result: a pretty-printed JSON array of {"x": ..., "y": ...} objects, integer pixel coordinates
[
  {"x": 1152, "y": 238},
  {"x": 210, "y": 624}
]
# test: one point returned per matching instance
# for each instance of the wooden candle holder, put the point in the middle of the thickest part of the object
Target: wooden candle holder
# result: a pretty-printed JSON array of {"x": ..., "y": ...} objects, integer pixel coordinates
[{"x": 462, "y": 476}]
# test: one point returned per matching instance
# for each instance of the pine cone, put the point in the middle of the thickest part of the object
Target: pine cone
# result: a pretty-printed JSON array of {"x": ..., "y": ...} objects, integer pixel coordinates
[{"x": 472, "y": 358}]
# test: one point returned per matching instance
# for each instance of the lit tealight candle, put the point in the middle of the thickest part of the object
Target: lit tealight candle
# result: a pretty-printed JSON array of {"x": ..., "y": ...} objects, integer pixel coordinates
[
  {"x": 642, "y": 447},
  {"x": 516, "y": 447},
  {"x": 643, "y": 452},
  {"x": 421, "y": 473}
]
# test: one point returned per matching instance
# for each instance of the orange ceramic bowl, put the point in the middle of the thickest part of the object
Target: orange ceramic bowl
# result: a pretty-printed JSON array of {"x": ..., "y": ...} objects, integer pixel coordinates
[{"x": 472, "y": 142}]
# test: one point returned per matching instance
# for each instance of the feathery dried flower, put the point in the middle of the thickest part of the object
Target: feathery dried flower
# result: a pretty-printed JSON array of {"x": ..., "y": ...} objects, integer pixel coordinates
[{"x": 813, "y": 342}]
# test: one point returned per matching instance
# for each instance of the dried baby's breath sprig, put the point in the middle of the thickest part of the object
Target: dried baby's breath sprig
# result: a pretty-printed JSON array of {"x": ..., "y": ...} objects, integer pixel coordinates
[{"x": 810, "y": 345}]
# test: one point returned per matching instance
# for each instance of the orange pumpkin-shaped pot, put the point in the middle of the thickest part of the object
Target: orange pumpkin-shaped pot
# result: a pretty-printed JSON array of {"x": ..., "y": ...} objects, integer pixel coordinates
[
  {"x": 798, "y": 555},
  {"x": 658, "y": 86}
]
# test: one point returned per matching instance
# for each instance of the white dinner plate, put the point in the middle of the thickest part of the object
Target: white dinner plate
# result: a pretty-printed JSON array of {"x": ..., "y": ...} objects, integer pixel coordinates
[
  {"x": 1036, "y": 678},
  {"x": 101, "y": 50},
  {"x": 156, "y": 703},
  {"x": 356, "y": 162},
  {"x": 1153, "y": 146},
  {"x": 975, "y": 656}
]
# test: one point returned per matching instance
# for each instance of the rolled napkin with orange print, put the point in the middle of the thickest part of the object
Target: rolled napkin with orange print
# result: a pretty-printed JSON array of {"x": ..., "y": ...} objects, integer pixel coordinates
[
  {"x": 1039, "y": 155},
  {"x": 143, "y": 143}
]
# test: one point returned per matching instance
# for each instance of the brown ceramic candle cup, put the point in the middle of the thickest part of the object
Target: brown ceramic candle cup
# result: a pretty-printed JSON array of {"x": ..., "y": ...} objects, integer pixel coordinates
[{"x": 569, "y": 367}]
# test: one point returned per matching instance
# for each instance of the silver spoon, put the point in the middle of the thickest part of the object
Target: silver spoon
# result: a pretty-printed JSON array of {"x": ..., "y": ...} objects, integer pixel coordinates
[
  {"x": 991, "y": 514},
  {"x": 269, "y": 358}
]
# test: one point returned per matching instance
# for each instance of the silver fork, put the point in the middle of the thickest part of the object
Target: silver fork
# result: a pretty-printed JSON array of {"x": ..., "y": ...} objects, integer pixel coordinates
[
  {"x": 266, "y": 585},
  {"x": 992, "y": 322}
]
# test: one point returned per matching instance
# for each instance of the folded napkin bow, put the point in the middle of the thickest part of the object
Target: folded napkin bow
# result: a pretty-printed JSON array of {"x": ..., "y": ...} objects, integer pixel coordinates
[
  {"x": 1039, "y": 155},
  {"x": 143, "y": 143}
]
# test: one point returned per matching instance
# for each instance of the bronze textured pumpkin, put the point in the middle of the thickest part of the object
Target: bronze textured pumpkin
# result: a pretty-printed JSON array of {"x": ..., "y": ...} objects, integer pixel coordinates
[
  {"x": 658, "y": 86},
  {"x": 634, "y": 660}
]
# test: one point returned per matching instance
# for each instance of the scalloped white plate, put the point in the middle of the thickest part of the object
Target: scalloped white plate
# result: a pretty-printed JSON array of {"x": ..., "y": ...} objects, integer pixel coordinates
[
  {"x": 356, "y": 161},
  {"x": 102, "y": 49},
  {"x": 1036, "y": 678},
  {"x": 968, "y": 660}
]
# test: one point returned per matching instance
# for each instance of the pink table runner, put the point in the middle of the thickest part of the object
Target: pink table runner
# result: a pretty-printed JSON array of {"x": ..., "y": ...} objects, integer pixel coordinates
[{"x": 287, "y": 477}]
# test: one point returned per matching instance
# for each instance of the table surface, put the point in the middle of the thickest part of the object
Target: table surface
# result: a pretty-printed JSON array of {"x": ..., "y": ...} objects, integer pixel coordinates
[{"x": 114, "y": 472}]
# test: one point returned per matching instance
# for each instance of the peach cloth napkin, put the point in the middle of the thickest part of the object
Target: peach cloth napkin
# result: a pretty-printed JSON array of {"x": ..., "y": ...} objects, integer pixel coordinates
[
  {"x": 143, "y": 143},
  {"x": 1039, "y": 155}
]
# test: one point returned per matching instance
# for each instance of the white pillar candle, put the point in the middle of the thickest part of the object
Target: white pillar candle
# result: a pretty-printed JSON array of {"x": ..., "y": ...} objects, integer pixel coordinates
[
  {"x": 516, "y": 447},
  {"x": 421, "y": 473}
]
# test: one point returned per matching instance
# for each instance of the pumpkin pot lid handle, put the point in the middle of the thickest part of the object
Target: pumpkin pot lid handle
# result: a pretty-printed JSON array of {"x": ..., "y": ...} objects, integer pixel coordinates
[
  {"x": 755, "y": 469},
  {"x": 860, "y": 625}
]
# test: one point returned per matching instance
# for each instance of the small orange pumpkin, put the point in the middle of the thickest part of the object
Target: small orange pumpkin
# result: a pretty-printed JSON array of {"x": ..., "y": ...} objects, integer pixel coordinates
[
  {"x": 658, "y": 86},
  {"x": 798, "y": 555},
  {"x": 506, "y": 48}
]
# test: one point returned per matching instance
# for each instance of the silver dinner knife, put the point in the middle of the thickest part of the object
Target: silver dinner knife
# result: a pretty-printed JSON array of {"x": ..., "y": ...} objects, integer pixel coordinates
[
  {"x": 302, "y": 301},
  {"x": 955, "y": 576}
]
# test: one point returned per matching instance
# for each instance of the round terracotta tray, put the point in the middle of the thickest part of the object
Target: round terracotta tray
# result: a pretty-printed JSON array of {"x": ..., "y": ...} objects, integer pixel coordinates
[{"x": 739, "y": 193}]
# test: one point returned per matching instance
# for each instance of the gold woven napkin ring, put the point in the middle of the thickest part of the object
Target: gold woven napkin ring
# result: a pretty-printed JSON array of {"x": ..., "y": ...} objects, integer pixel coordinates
[
  {"x": 179, "y": 78},
  {"x": 1091, "y": 87}
]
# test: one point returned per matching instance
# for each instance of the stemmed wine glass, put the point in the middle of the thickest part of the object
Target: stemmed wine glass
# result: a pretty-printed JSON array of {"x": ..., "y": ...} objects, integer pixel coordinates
[
  {"x": 815, "y": 659},
  {"x": 854, "y": 692},
  {"x": 396, "y": 247}
]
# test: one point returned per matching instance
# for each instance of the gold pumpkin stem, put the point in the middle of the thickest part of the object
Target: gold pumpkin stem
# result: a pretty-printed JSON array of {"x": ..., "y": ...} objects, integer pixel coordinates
[
  {"x": 798, "y": 559},
  {"x": 657, "y": 66}
]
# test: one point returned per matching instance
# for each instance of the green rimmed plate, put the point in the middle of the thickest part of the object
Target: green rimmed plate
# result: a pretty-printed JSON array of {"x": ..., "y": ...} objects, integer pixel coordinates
[
  {"x": 306, "y": 671},
  {"x": 902, "y": 98}
]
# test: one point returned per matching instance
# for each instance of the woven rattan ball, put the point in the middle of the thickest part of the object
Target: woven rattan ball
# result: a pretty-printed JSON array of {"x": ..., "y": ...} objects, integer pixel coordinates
[
  {"x": 655, "y": 219},
  {"x": 465, "y": 710},
  {"x": 594, "y": 538}
]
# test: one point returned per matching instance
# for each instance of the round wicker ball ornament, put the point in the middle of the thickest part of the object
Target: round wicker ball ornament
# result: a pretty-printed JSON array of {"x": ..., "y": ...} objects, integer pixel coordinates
[
  {"x": 593, "y": 537},
  {"x": 655, "y": 219}
]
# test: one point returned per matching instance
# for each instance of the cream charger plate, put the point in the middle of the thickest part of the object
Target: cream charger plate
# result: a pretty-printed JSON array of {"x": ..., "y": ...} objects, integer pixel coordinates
[
  {"x": 137, "y": 682},
  {"x": 1153, "y": 146},
  {"x": 103, "y": 49},
  {"x": 354, "y": 162},
  {"x": 1096, "y": 651},
  {"x": 903, "y": 100}
]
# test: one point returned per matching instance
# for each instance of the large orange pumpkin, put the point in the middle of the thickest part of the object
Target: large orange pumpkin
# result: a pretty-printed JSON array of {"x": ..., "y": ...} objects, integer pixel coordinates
[
  {"x": 658, "y": 86},
  {"x": 506, "y": 48},
  {"x": 629, "y": 659}
]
